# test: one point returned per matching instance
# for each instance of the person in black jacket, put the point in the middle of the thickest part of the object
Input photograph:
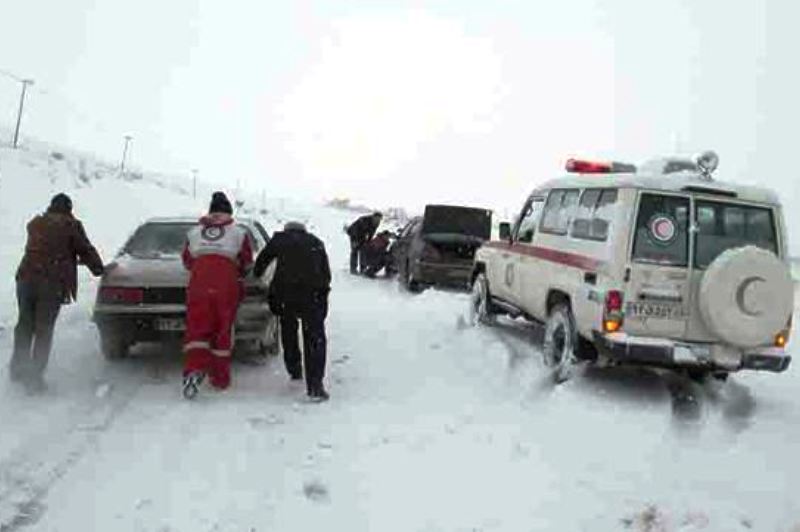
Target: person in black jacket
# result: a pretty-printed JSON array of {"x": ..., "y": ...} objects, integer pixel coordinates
[
  {"x": 360, "y": 232},
  {"x": 299, "y": 291}
]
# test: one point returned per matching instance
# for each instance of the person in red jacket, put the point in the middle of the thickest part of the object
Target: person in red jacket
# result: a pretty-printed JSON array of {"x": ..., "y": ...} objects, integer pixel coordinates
[{"x": 218, "y": 254}]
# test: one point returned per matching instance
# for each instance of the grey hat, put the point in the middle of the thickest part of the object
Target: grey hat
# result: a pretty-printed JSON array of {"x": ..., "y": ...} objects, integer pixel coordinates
[{"x": 294, "y": 226}]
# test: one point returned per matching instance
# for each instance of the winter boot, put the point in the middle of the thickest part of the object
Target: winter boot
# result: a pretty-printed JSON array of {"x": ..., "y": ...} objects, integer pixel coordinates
[
  {"x": 191, "y": 384},
  {"x": 35, "y": 385},
  {"x": 317, "y": 394}
]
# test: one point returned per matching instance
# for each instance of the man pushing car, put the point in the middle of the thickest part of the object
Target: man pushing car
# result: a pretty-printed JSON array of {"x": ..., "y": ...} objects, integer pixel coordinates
[{"x": 218, "y": 253}]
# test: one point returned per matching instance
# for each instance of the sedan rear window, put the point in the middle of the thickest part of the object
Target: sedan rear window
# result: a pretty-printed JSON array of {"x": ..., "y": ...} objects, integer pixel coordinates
[
  {"x": 154, "y": 240},
  {"x": 158, "y": 239},
  {"x": 662, "y": 235},
  {"x": 724, "y": 226}
]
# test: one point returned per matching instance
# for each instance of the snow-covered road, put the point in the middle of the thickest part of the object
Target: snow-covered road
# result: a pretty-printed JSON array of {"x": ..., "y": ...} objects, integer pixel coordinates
[{"x": 432, "y": 426}]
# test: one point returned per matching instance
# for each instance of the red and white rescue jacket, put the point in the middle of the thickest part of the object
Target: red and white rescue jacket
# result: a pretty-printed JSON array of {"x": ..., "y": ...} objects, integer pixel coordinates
[{"x": 218, "y": 247}]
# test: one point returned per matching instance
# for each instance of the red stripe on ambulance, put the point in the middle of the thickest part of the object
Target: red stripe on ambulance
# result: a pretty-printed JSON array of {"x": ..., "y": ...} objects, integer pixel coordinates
[{"x": 574, "y": 260}]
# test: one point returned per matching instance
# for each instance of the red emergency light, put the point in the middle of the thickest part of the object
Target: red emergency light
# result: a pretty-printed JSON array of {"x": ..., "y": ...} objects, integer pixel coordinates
[{"x": 577, "y": 166}]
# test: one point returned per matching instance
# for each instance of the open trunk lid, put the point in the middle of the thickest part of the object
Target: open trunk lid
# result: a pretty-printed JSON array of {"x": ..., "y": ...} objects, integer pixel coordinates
[
  {"x": 446, "y": 223},
  {"x": 455, "y": 233}
]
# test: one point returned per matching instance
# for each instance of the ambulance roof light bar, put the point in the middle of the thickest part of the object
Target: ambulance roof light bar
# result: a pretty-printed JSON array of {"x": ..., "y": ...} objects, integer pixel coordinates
[{"x": 580, "y": 166}]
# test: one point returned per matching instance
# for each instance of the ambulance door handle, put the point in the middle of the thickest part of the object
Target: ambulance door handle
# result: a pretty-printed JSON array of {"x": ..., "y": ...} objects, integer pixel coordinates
[
  {"x": 590, "y": 278},
  {"x": 660, "y": 296}
]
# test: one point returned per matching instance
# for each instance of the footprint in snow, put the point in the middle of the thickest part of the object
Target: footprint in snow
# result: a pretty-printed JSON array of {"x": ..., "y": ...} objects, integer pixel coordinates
[
  {"x": 316, "y": 491},
  {"x": 143, "y": 503},
  {"x": 102, "y": 390},
  {"x": 341, "y": 360},
  {"x": 264, "y": 422}
]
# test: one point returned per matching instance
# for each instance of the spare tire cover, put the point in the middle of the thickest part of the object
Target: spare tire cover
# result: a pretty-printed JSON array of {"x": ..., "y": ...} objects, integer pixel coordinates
[{"x": 746, "y": 296}]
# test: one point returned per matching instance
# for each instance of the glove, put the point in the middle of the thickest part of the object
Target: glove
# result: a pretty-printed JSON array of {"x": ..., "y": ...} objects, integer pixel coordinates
[{"x": 275, "y": 304}]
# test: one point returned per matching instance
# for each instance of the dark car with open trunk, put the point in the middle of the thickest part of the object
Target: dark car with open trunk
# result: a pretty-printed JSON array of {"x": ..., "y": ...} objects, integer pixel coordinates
[{"x": 439, "y": 247}]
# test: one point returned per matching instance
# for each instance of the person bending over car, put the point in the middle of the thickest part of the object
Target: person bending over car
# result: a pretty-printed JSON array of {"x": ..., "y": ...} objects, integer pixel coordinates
[
  {"x": 47, "y": 278},
  {"x": 218, "y": 253},
  {"x": 299, "y": 291},
  {"x": 360, "y": 232}
]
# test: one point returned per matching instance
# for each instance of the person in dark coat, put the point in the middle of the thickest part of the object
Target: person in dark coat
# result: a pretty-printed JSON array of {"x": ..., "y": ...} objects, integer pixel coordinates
[
  {"x": 375, "y": 254},
  {"x": 47, "y": 278},
  {"x": 299, "y": 291},
  {"x": 360, "y": 232}
]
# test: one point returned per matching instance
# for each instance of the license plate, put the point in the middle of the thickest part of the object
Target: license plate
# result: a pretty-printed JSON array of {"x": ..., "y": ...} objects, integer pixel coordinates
[
  {"x": 655, "y": 310},
  {"x": 170, "y": 324}
]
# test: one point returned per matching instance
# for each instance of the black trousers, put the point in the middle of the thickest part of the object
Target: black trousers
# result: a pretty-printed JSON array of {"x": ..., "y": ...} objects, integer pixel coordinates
[
  {"x": 355, "y": 253},
  {"x": 39, "y": 305},
  {"x": 311, "y": 315}
]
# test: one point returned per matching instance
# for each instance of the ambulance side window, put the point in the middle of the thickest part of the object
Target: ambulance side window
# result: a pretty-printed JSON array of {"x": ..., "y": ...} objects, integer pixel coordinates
[
  {"x": 594, "y": 214},
  {"x": 529, "y": 221},
  {"x": 558, "y": 211}
]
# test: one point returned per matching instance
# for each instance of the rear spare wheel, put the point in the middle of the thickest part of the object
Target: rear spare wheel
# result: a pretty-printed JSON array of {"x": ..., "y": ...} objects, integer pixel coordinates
[{"x": 746, "y": 297}]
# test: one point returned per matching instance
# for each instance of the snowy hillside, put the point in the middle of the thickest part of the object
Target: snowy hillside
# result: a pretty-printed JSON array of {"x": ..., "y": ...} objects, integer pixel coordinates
[
  {"x": 432, "y": 426},
  {"x": 109, "y": 204}
]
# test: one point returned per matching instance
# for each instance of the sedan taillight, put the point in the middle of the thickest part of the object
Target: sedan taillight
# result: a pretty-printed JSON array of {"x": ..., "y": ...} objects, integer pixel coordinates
[{"x": 118, "y": 295}]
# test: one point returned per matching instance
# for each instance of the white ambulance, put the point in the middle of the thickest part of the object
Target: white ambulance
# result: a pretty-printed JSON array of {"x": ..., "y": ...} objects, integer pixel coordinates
[{"x": 660, "y": 265}]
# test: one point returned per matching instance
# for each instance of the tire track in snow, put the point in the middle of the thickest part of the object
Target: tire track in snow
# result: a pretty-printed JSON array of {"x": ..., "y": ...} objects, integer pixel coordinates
[{"x": 28, "y": 474}]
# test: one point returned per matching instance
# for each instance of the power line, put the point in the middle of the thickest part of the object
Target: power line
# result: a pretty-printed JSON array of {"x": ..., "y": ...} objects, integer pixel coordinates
[
  {"x": 9, "y": 75},
  {"x": 76, "y": 112}
]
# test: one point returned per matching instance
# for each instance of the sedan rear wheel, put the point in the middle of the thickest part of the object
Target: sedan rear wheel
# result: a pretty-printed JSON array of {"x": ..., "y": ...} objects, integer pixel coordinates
[
  {"x": 408, "y": 280},
  {"x": 113, "y": 345}
]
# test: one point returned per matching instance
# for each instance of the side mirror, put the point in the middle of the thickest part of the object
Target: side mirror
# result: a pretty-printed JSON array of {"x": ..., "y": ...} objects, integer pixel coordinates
[{"x": 505, "y": 231}]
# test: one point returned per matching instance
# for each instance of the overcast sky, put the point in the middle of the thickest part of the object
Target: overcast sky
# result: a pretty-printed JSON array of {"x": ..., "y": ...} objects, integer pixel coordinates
[{"x": 403, "y": 103}]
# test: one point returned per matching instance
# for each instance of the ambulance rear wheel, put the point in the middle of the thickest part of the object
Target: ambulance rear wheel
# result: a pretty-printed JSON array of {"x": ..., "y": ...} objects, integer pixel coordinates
[{"x": 561, "y": 343}]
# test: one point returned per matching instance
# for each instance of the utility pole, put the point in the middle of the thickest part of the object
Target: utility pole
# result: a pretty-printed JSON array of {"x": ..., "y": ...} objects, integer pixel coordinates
[
  {"x": 194, "y": 183},
  {"x": 25, "y": 83},
  {"x": 128, "y": 139}
]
